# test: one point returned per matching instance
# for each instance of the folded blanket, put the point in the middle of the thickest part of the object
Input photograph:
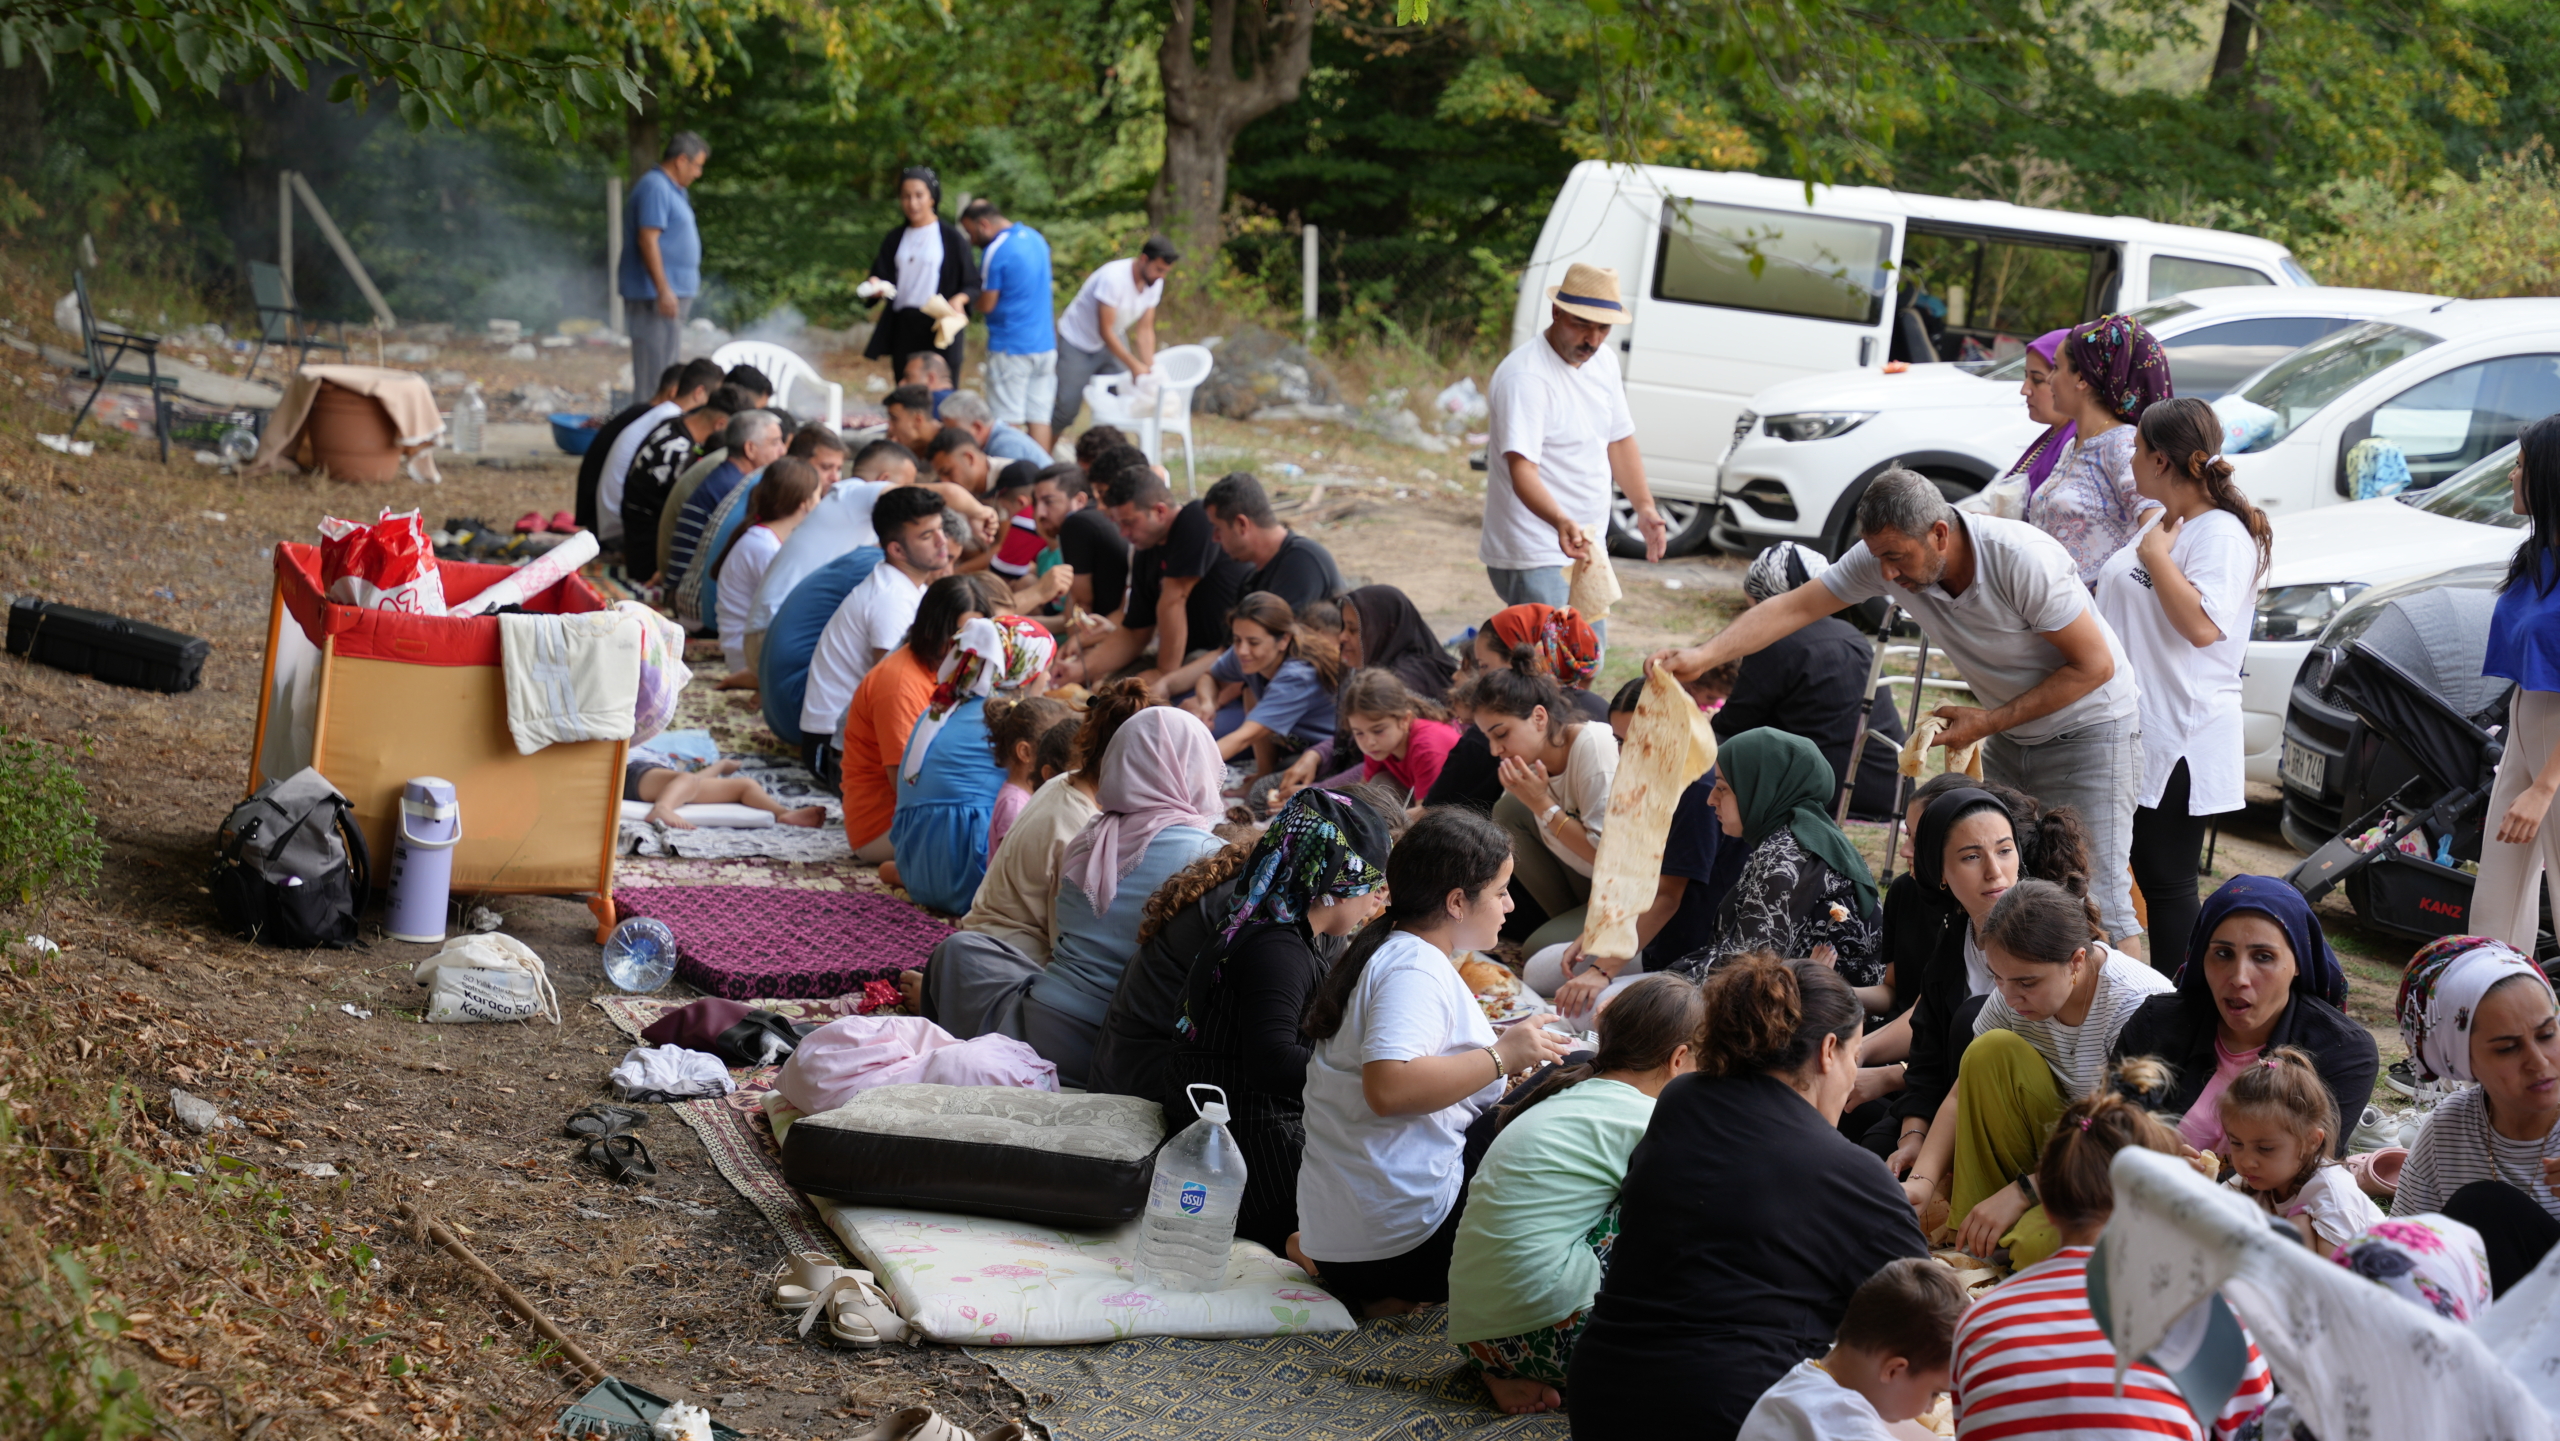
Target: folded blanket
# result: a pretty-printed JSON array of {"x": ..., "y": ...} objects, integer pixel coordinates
[{"x": 570, "y": 677}]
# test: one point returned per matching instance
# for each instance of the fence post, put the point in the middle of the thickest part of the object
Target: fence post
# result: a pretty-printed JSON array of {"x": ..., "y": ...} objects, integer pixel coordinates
[
  {"x": 613, "y": 261},
  {"x": 1307, "y": 281},
  {"x": 284, "y": 233}
]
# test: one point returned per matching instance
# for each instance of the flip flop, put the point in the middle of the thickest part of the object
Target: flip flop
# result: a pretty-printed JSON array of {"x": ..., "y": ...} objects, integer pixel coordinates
[
  {"x": 599, "y": 1121},
  {"x": 621, "y": 1156}
]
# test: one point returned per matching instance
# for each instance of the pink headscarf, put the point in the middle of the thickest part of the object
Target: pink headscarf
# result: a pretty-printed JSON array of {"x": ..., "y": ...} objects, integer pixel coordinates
[{"x": 1163, "y": 769}]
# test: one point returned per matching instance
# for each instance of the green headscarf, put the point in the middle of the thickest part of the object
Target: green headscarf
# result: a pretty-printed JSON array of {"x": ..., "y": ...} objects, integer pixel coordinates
[{"x": 1781, "y": 779}]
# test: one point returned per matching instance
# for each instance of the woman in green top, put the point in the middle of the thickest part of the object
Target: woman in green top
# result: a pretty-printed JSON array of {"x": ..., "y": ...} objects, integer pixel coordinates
[{"x": 1543, "y": 1207}]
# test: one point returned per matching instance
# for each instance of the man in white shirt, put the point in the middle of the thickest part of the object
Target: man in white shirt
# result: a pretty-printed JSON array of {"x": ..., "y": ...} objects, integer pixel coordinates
[
  {"x": 700, "y": 378},
  {"x": 1562, "y": 438},
  {"x": 1110, "y": 327},
  {"x": 2060, "y": 712},
  {"x": 873, "y": 618}
]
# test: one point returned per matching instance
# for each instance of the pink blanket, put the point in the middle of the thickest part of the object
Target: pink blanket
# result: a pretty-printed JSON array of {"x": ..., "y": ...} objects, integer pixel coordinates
[{"x": 860, "y": 1052}]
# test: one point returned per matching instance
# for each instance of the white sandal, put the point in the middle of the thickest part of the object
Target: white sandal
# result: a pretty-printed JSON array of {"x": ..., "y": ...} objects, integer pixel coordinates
[
  {"x": 803, "y": 1275},
  {"x": 858, "y": 1312},
  {"x": 916, "y": 1423}
]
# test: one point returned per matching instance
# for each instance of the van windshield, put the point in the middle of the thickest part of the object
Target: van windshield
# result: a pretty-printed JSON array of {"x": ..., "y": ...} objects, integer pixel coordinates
[
  {"x": 2295, "y": 388},
  {"x": 2149, "y": 317}
]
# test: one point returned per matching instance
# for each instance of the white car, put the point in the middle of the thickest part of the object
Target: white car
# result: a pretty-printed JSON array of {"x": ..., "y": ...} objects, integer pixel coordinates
[{"x": 1804, "y": 451}]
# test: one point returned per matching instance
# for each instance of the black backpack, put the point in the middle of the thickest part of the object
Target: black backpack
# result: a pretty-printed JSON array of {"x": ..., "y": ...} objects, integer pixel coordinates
[{"x": 293, "y": 866}]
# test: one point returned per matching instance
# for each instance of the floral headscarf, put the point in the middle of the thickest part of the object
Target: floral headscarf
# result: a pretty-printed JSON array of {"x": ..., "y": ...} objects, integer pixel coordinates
[
  {"x": 2122, "y": 363},
  {"x": 2428, "y": 1261},
  {"x": 1564, "y": 641},
  {"x": 990, "y": 655},
  {"x": 2441, "y": 991},
  {"x": 2042, "y": 456},
  {"x": 1320, "y": 846}
]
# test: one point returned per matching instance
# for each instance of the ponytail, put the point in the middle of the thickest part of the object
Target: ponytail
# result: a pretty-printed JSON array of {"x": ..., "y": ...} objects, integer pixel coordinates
[
  {"x": 2073, "y": 1177},
  {"x": 1640, "y": 1031},
  {"x": 1449, "y": 849},
  {"x": 2189, "y": 434}
]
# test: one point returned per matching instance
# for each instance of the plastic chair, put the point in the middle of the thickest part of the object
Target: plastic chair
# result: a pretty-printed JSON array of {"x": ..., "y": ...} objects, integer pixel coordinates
[
  {"x": 1178, "y": 372},
  {"x": 787, "y": 371}
]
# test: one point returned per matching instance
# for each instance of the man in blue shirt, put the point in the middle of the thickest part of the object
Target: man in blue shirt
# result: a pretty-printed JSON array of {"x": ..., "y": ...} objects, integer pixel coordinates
[
  {"x": 970, "y": 411},
  {"x": 662, "y": 270},
  {"x": 1022, "y": 327}
]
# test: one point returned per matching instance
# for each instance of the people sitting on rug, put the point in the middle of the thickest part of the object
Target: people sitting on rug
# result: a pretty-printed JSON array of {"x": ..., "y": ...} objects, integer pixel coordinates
[
  {"x": 948, "y": 782},
  {"x": 2278, "y": 1125},
  {"x": 1553, "y": 643},
  {"x": 1699, "y": 864},
  {"x": 1016, "y": 903},
  {"x": 1158, "y": 800},
  {"x": 1270, "y": 693},
  {"x": 775, "y": 508},
  {"x": 1555, "y": 770},
  {"x": 872, "y": 619},
  {"x": 2259, "y": 975},
  {"x": 1810, "y": 683},
  {"x": 659, "y": 779},
  {"x": 840, "y": 524},
  {"x": 1398, "y": 1069},
  {"x": 2030, "y": 1357},
  {"x": 883, "y": 711},
  {"x": 1746, "y": 1221},
  {"x": 2040, "y": 1042},
  {"x": 1888, "y": 1365},
  {"x": 2475, "y": 1009},
  {"x": 1542, "y": 1210},
  {"x": 655, "y": 467},
  {"x": 1382, "y": 631},
  {"x": 1401, "y": 737},
  {"x": 755, "y": 439},
  {"x": 1019, "y": 738},
  {"x": 1804, "y": 891}
]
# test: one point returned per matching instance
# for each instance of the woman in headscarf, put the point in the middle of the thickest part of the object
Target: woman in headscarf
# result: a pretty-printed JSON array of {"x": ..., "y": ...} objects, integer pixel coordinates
[
  {"x": 1805, "y": 886},
  {"x": 1812, "y": 683},
  {"x": 2036, "y": 465},
  {"x": 1536, "y": 639},
  {"x": 2473, "y": 1008},
  {"x": 1381, "y": 630},
  {"x": 920, "y": 260},
  {"x": 1314, "y": 877},
  {"x": 2258, "y": 975},
  {"x": 948, "y": 781},
  {"x": 2105, "y": 375}
]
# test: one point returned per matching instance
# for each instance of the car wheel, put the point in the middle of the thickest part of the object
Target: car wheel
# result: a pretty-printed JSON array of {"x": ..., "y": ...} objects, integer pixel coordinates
[
  {"x": 1690, "y": 520},
  {"x": 1953, "y": 487}
]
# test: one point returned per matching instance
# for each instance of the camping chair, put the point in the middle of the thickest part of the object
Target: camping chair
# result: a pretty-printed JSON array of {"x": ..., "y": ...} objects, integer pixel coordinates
[
  {"x": 99, "y": 364},
  {"x": 279, "y": 323}
]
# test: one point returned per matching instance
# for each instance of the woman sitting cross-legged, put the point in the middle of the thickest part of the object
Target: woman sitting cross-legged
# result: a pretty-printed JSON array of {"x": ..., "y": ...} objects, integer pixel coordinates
[
  {"x": 951, "y": 776},
  {"x": 1747, "y": 1220},
  {"x": 1016, "y": 902},
  {"x": 1403, "y": 1059},
  {"x": 1270, "y": 694},
  {"x": 2039, "y": 1043},
  {"x": 2475, "y": 1009},
  {"x": 1158, "y": 798},
  {"x": 1804, "y": 885},
  {"x": 1555, "y": 773},
  {"x": 1542, "y": 1210}
]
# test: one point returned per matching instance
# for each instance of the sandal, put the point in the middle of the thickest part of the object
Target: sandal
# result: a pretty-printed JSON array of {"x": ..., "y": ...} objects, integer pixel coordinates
[
  {"x": 858, "y": 1312},
  {"x": 916, "y": 1423},
  {"x": 621, "y": 1156},
  {"x": 599, "y": 1121},
  {"x": 803, "y": 1275}
]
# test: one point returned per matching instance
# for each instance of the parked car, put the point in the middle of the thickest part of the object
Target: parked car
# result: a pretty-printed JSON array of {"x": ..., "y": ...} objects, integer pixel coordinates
[
  {"x": 1737, "y": 282},
  {"x": 1804, "y": 450},
  {"x": 2335, "y": 569}
]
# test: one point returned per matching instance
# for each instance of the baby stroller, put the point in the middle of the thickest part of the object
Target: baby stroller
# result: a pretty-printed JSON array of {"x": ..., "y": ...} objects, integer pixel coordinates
[{"x": 2394, "y": 680}]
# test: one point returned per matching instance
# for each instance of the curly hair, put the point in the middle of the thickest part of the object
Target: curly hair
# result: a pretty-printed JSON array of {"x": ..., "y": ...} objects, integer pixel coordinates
[{"x": 1186, "y": 886}]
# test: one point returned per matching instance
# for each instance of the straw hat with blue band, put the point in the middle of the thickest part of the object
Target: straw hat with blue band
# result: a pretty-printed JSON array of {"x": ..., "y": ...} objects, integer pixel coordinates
[{"x": 1590, "y": 292}]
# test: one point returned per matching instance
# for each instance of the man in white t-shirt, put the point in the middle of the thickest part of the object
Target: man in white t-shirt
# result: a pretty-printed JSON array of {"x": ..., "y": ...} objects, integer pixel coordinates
[
  {"x": 1562, "y": 439},
  {"x": 2060, "y": 713},
  {"x": 1110, "y": 327},
  {"x": 873, "y": 618}
]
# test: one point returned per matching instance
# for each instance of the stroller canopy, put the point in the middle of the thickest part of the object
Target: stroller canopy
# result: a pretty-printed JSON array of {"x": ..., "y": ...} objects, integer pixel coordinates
[{"x": 2438, "y": 638}]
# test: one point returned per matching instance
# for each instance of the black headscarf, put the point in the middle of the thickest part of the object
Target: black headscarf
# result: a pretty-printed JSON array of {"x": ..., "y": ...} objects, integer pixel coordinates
[
  {"x": 1394, "y": 636},
  {"x": 932, "y": 182},
  {"x": 1929, "y": 847}
]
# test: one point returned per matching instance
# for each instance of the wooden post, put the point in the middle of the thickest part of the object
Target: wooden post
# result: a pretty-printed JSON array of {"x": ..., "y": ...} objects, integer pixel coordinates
[
  {"x": 284, "y": 231},
  {"x": 1307, "y": 280},
  {"x": 613, "y": 264},
  {"x": 346, "y": 252}
]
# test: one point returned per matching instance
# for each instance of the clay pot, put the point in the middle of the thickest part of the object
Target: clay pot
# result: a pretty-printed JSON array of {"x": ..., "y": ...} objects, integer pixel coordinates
[{"x": 351, "y": 436}]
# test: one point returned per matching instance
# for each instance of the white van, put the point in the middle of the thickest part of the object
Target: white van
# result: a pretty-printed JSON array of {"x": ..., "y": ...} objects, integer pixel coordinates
[{"x": 1736, "y": 282}]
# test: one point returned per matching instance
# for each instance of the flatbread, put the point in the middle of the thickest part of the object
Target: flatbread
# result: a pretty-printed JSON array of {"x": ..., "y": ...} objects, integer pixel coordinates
[
  {"x": 1595, "y": 581},
  {"x": 1915, "y": 750},
  {"x": 1669, "y": 745}
]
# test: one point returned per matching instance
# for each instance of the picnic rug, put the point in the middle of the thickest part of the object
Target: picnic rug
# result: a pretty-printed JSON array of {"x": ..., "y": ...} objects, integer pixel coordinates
[{"x": 1391, "y": 1380}]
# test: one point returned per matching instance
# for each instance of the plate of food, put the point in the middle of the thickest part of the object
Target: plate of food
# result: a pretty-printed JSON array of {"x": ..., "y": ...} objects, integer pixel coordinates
[{"x": 1497, "y": 989}]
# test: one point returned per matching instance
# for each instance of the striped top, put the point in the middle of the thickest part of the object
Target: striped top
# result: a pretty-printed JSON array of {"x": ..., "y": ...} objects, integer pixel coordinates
[
  {"x": 2078, "y": 1054},
  {"x": 2459, "y": 1146},
  {"x": 2030, "y": 1361}
]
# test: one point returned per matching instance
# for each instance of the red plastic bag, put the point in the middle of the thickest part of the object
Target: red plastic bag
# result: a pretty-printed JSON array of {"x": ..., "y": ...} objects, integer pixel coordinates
[{"x": 384, "y": 566}]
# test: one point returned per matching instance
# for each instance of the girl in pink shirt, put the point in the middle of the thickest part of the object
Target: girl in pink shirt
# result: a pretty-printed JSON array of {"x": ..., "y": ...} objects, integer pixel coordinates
[{"x": 1399, "y": 733}]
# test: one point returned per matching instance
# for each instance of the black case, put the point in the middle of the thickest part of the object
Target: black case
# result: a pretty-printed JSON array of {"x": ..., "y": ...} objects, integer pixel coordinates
[{"x": 118, "y": 651}]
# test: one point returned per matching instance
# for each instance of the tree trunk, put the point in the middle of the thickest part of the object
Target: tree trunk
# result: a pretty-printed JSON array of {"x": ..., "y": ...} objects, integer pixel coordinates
[
  {"x": 1207, "y": 103},
  {"x": 2231, "y": 57},
  {"x": 281, "y": 128}
]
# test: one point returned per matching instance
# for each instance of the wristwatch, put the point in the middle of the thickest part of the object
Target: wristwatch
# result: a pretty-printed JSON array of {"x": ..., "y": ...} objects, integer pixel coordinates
[{"x": 2027, "y": 1187}]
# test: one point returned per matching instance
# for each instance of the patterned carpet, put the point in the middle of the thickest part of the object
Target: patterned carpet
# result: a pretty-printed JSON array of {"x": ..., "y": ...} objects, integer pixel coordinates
[{"x": 1397, "y": 1380}]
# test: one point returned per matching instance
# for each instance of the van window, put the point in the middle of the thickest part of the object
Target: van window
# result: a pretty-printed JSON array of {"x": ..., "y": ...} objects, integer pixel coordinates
[
  {"x": 2209, "y": 360},
  {"x": 1983, "y": 297},
  {"x": 2173, "y": 273},
  {"x": 1783, "y": 262}
]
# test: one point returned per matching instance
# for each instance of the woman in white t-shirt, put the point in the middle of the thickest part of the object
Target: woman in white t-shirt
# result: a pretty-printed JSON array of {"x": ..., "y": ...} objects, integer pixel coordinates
[
  {"x": 2179, "y": 598},
  {"x": 1403, "y": 1059},
  {"x": 1555, "y": 774},
  {"x": 782, "y": 497},
  {"x": 2040, "y": 1042}
]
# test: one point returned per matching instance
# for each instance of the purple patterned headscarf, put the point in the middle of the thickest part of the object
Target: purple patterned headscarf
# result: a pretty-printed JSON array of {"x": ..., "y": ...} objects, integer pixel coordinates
[{"x": 2122, "y": 363}]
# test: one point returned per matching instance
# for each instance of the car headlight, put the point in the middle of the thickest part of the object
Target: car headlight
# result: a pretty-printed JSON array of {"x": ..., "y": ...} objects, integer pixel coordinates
[
  {"x": 2298, "y": 612},
  {"x": 1815, "y": 424}
]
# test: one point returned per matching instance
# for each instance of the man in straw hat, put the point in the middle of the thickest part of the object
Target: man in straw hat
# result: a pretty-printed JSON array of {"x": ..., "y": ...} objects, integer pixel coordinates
[{"x": 1561, "y": 438}]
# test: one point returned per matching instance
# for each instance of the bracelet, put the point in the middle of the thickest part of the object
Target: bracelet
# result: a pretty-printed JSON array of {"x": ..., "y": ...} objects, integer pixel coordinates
[
  {"x": 1914, "y": 1131},
  {"x": 1548, "y": 816},
  {"x": 1499, "y": 1070},
  {"x": 1930, "y": 1181}
]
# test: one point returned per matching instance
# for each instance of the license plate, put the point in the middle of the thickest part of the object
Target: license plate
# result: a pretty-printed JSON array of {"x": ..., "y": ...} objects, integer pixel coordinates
[{"x": 2305, "y": 768}]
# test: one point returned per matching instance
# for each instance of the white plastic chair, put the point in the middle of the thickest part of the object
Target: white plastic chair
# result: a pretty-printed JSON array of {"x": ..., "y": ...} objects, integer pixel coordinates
[
  {"x": 1116, "y": 400},
  {"x": 787, "y": 371}
]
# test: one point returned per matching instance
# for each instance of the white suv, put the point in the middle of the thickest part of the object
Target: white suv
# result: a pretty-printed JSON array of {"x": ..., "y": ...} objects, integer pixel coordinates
[{"x": 1804, "y": 451}]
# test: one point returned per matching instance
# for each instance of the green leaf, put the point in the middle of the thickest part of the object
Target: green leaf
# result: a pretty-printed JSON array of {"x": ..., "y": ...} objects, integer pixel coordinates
[
  {"x": 345, "y": 87},
  {"x": 146, "y": 101}
]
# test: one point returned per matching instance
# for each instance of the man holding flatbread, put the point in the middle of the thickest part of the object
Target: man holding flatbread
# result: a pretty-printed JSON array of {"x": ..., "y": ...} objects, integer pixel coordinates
[
  {"x": 2004, "y": 601},
  {"x": 1562, "y": 439}
]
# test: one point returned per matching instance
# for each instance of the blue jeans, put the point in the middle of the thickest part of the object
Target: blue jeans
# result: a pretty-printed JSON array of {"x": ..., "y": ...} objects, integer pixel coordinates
[
  {"x": 2097, "y": 771},
  {"x": 1545, "y": 585}
]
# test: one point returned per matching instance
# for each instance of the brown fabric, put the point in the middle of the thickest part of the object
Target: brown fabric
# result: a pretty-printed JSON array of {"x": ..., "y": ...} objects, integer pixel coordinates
[{"x": 403, "y": 395}]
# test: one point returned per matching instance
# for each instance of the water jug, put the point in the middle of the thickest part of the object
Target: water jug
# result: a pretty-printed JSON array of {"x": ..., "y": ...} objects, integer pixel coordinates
[
  {"x": 640, "y": 955},
  {"x": 1191, "y": 1208},
  {"x": 422, "y": 859}
]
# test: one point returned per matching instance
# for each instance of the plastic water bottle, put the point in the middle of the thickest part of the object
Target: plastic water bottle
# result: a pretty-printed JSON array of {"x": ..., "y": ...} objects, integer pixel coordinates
[
  {"x": 1191, "y": 1209},
  {"x": 640, "y": 955},
  {"x": 470, "y": 421}
]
